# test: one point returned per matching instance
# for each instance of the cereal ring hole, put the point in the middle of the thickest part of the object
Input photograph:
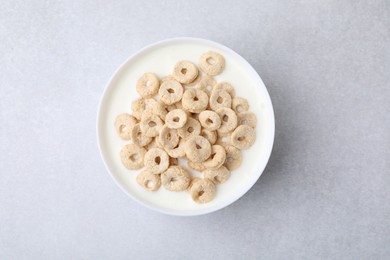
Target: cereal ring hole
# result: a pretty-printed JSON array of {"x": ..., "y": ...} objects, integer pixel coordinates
[
  {"x": 217, "y": 179},
  {"x": 241, "y": 138},
  {"x": 149, "y": 184},
  {"x": 170, "y": 90},
  {"x": 225, "y": 118},
  {"x": 152, "y": 124},
  {"x": 240, "y": 108},
  {"x": 198, "y": 146},
  {"x": 123, "y": 128},
  {"x": 133, "y": 157},
  {"x": 157, "y": 160},
  {"x": 219, "y": 100},
  {"x": 210, "y": 61},
  {"x": 209, "y": 121},
  {"x": 183, "y": 71},
  {"x": 190, "y": 129},
  {"x": 229, "y": 159},
  {"x": 148, "y": 83},
  {"x": 196, "y": 98},
  {"x": 173, "y": 179},
  {"x": 176, "y": 119}
]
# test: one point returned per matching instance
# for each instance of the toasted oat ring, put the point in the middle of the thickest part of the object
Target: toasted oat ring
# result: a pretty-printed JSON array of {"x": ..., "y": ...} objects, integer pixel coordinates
[
  {"x": 218, "y": 176},
  {"x": 138, "y": 138},
  {"x": 210, "y": 120},
  {"x": 148, "y": 180},
  {"x": 141, "y": 105},
  {"x": 202, "y": 191},
  {"x": 185, "y": 71},
  {"x": 223, "y": 139},
  {"x": 160, "y": 109},
  {"x": 168, "y": 137},
  {"x": 228, "y": 119},
  {"x": 147, "y": 85},
  {"x": 197, "y": 149},
  {"x": 170, "y": 92},
  {"x": 196, "y": 166},
  {"x": 233, "y": 157},
  {"x": 191, "y": 128},
  {"x": 175, "y": 178},
  {"x": 177, "y": 151},
  {"x": 195, "y": 100},
  {"x": 156, "y": 160},
  {"x": 243, "y": 137},
  {"x": 176, "y": 118},
  {"x": 211, "y": 136},
  {"x": 247, "y": 118},
  {"x": 220, "y": 98},
  {"x": 150, "y": 124},
  {"x": 227, "y": 87},
  {"x": 240, "y": 104},
  {"x": 217, "y": 157},
  {"x": 132, "y": 156},
  {"x": 211, "y": 63},
  {"x": 124, "y": 123},
  {"x": 207, "y": 84},
  {"x": 195, "y": 81}
]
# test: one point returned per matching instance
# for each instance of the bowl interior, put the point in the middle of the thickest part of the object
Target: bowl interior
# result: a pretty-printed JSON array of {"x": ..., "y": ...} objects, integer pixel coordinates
[{"x": 160, "y": 59}]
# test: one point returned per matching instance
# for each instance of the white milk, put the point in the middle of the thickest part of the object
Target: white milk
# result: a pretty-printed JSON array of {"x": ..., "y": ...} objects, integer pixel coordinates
[{"x": 160, "y": 60}]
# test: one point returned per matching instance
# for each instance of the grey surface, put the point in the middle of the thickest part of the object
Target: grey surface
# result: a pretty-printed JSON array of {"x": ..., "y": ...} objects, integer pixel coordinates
[{"x": 324, "y": 195}]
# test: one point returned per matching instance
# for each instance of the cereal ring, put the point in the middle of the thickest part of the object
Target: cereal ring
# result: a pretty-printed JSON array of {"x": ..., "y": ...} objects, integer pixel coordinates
[
  {"x": 211, "y": 63},
  {"x": 150, "y": 124},
  {"x": 197, "y": 149},
  {"x": 160, "y": 109},
  {"x": 207, "y": 84},
  {"x": 202, "y": 191},
  {"x": 170, "y": 92},
  {"x": 211, "y": 136},
  {"x": 168, "y": 137},
  {"x": 152, "y": 144},
  {"x": 147, "y": 85},
  {"x": 240, "y": 104},
  {"x": 220, "y": 98},
  {"x": 176, "y": 178},
  {"x": 141, "y": 105},
  {"x": 132, "y": 156},
  {"x": 233, "y": 157},
  {"x": 218, "y": 176},
  {"x": 124, "y": 123},
  {"x": 156, "y": 160},
  {"x": 185, "y": 72},
  {"x": 191, "y": 128},
  {"x": 217, "y": 157},
  {"x": 228, "y": 120},
  {"x": 194, "y": 180},
  {"x": 148, "y": 181},
  {"x": 176, "y": 118},
  {"x": 195, "y": 100},
  {"x": 138, "y": 138},
  {"x": 178, "y": 151},
  {"x": 210, "y": 120},
  {"x": 227, "y": 87},
  {"x": 243, "y": 137},
  {"x": 223, "y": 139},
  {"x": 247, "y": 118},
  {"x": 194, "y": 82},
  {"x": 196, "y": 166}
]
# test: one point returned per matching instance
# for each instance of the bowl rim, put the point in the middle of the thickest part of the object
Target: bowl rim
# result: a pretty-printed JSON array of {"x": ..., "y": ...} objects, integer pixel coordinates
[{"x": 268, "y": 146}]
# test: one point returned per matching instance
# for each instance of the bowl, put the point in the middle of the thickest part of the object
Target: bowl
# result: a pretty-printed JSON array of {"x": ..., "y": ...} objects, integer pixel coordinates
[{"x": 160, "y": 58}]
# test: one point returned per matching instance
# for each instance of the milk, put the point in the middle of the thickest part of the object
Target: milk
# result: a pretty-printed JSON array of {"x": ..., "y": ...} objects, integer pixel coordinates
[{"x": 160, "y": 60}]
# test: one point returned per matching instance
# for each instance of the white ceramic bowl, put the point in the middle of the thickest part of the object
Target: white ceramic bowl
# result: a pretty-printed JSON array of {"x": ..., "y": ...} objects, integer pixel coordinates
[{"x": 160, "y": 58}]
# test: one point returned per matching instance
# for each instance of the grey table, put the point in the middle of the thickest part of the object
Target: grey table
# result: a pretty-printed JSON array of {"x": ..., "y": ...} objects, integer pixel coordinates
[{"x": 325, "y": 193}]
